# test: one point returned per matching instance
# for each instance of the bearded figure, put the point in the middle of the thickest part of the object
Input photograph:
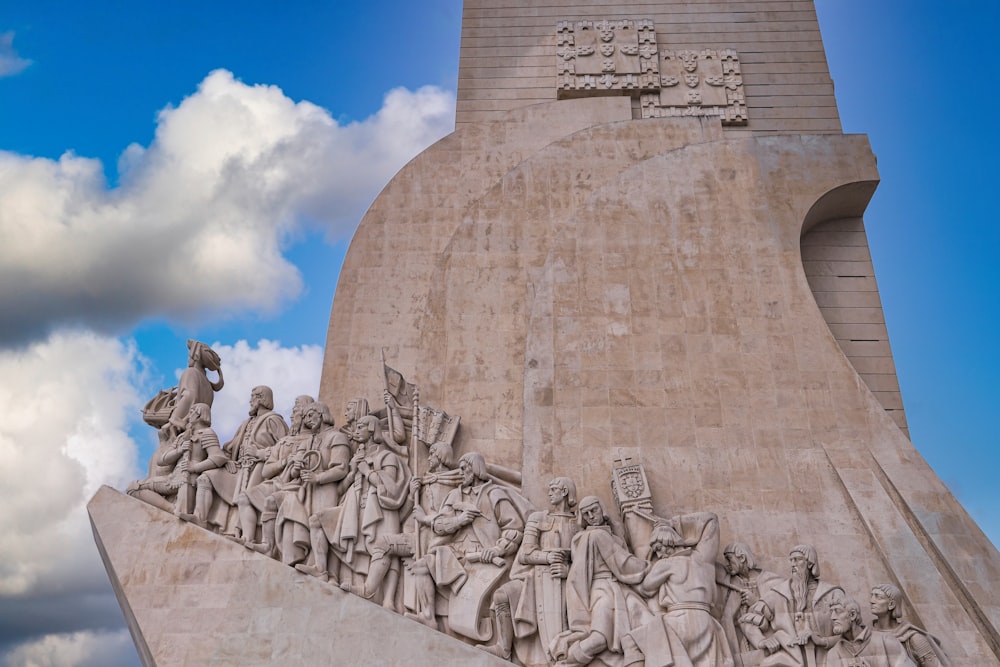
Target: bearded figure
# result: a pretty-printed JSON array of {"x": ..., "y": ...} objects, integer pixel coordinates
[{"x": 792, "y": 622}]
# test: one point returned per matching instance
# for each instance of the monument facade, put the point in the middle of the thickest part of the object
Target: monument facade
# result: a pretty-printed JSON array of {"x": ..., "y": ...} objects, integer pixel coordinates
[{"x": 633, "y": 299}]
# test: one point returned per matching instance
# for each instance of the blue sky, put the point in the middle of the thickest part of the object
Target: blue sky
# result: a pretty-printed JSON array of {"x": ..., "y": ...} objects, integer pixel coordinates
[{"x": 121, "y": 124}]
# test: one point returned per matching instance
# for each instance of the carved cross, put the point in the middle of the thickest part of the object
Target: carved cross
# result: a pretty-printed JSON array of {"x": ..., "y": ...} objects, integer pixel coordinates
[{"x": 622, "y": 459}]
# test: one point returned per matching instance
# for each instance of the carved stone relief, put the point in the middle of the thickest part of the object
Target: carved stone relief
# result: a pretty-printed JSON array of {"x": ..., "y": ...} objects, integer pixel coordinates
[
  {"x": 380, "y": 508},
  {"x": 606, "y": 57},
  {"x": 600, "y": 58}
]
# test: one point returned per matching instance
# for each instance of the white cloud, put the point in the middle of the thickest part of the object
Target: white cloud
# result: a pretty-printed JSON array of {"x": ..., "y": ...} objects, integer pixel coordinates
[
  {"x": 288, "y": 371},
  {"x": 201, "y": 217},
  {"x": 75, "y": 649},
  {"x": 10, "y": 62},
  {"x": 65, "y": 406}
]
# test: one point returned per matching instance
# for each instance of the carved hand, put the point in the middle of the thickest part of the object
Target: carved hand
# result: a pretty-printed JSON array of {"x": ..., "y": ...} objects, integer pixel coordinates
[
  {"x": 559, "y": 570},
  {"x": 554, "y": 557},
  {"x": 231, "y": 467},
  {"x": 770, "y": 645},
  {"x": 467, "y": 516}
]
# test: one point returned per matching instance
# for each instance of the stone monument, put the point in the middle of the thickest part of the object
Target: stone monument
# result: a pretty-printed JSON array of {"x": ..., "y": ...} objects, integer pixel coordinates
[{"x": 636, "y": 274}]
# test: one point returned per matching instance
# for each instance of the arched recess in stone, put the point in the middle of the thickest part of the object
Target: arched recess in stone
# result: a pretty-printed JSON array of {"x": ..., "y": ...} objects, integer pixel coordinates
[{"x": 838, "y": 265}]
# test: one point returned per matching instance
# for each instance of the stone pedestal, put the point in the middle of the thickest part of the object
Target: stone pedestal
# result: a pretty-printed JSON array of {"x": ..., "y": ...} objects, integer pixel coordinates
[{"x": 195, "y": 599}]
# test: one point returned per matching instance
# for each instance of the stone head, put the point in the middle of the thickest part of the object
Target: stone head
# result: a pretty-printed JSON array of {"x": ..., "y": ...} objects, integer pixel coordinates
[
  {"x": 203, "y": 356},
  {"x": 367, "y": 429},
  {"x": 261, "y": 398},
  {"x": 739, "y": 559},
  {"x": 803, "y": 558},
  {"x": 441, "y": 453},
  {"x": 592, "y": 512},
  {"x": 298, "y": 411},
  {"x": 356, "y": 409},
  {"x": 845, "y": 613},
  {"x": 664, "y": 541},
  {"x": 473, "y": 467},
  {"x": 199, "y": 413},
  {"x": 394, "y": 382},
  {"x": 560, "y": 488},
  {"x": 315, "y": 416},
  {"x": 886, "y": 600}
]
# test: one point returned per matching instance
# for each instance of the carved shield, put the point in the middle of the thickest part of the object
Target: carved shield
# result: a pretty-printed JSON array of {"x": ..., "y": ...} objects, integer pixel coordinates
[{"x": 632, "y": 485}]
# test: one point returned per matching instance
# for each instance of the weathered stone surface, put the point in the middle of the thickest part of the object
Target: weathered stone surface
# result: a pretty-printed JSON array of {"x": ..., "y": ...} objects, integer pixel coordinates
[
  {"x": 639, "y": 284},
  {"x": 197, "y": 599}
]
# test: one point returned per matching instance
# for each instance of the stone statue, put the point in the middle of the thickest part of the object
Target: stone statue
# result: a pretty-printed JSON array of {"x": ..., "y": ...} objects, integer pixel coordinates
[
  {"x": 400, "y": 399},
  {"x": 681, "y": 580},
  {"x": 259, "y": 505},
  {"x": 858, "y": 645},
  {"x": 318, "y": 463},
  {"x": 248, "y": 450},
  {"x": 379, "y": 486},
  {"x": 194, "y": 386},
  {"x": 199, "y": 450},
  {"x": 791, "y": 622},
  {"x": 429, "y": 491},
  {"x": 601, "y": 608},
  {"x": 166, "y": 475},
  {"x": 322, "y": 522},
  {"x": 531, "y": 607},
  {"x": 743, "y": 584},
  {"x": 478, "y": 531},
  {"x": 923, "y": 648}
]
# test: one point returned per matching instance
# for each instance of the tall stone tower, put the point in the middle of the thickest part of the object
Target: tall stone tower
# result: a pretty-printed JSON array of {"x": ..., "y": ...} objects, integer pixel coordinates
[{"x": 646, "y": 237}]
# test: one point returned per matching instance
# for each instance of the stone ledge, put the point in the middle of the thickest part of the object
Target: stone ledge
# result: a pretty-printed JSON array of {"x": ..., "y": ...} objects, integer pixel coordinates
[{"x": 194, "y": 598}]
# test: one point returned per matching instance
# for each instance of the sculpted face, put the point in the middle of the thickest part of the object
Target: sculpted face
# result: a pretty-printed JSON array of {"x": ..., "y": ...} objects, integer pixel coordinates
[
  {"x": 735, "y": 564},
  {"x": 394, "y": 381},
  {"x": 592, "y": 514},
  {"x": 881, "y": 604},
  {"x": 842, "y": 618},
  {"x": 468, "y": 476},
  {"x": 351, "y": 414},
  {"x": 298, "y": 410},
  {"x": 256, "y": 396},
  {"x": 556, "y": 493},
  {"x": 312, "y": 419},
  {"x": 362, "y": 432},
  {"x": 798, "y": 562}
]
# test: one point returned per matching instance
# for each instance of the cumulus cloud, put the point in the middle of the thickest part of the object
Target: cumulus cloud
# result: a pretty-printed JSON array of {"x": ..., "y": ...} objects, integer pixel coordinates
[
  {"x": 200, "y": 218},
  {"x": 10, "y": 62},
  {"x": 65, "y": 408},
  {"x": 288, "y": 371},
  {"x": 79, "y": 649}
]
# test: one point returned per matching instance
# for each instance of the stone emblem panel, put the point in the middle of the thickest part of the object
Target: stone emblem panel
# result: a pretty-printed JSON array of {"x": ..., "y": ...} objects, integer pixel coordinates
[{"x": 608, "y": 57}]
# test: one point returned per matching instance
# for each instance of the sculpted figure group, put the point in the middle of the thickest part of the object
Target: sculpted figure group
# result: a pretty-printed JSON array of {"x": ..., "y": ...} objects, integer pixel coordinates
[{"x": 459, "y": 549}]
